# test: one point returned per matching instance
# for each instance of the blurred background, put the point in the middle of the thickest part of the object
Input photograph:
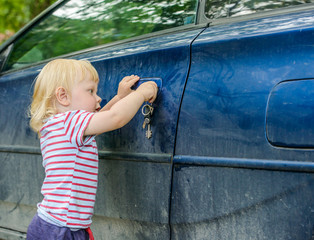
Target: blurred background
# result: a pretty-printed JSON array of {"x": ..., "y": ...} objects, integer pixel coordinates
[{"x": 14, "y": 14}]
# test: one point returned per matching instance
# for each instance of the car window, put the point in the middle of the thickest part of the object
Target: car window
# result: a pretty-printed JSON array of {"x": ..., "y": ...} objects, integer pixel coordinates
[
  {"x": 81, "y": 24},
  {"x": 215, "y": 9}
]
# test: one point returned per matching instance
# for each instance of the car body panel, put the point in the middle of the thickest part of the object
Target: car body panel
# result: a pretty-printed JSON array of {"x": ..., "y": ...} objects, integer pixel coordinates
[
  {"x": 250, "y": 189},
  {"x": 135, "y": 172},
  {"x": 241, "y": 203},
  {"x": 231, "y": 79},
  {"x": 213, "y": 168}
]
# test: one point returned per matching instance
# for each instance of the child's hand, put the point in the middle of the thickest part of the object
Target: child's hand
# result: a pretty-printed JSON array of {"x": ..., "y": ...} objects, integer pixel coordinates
[
  {"x": 149, "y": 91},
  {"x": 126, "y": 84}
]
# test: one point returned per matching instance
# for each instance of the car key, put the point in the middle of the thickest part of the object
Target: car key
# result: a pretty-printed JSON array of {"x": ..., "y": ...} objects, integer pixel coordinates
[
  {"x": 149, "y": 132},
  {"x": 146, "y": 121}
]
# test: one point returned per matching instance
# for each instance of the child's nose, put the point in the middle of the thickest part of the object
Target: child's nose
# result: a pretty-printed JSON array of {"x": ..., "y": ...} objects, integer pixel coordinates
[{"x": 98, "y": 99}]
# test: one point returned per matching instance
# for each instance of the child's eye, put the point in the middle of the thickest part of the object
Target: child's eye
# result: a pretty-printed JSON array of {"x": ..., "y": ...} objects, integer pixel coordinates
[{"x": 91, "y": 90}]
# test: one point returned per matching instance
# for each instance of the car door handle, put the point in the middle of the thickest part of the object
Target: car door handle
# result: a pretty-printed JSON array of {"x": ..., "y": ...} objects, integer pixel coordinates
[{"x": 157, "y": 80}]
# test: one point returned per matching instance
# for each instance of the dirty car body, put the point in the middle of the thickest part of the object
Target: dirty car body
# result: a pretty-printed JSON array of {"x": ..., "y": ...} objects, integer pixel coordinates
[{"x": 232, "y": 146}]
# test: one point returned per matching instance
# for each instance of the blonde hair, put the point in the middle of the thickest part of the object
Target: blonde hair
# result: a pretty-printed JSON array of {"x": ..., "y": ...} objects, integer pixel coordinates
[{"x": 57, "y": 73}]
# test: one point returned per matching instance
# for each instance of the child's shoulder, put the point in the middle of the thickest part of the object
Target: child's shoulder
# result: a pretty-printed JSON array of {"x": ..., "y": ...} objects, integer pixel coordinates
[
  {"x": 65, "y": 117},
  {"x": 64, "y": 120},
  {"x": 67, "y": 114}
]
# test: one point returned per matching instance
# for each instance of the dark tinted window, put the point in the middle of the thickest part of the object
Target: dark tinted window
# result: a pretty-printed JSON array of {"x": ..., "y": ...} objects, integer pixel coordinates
[
  {"x": 231, "y": 8},
  {"x": 80, "y": 24}
]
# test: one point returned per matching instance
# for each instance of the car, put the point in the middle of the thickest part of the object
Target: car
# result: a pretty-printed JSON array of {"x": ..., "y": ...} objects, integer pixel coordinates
[{"x": 231, "y": 153}]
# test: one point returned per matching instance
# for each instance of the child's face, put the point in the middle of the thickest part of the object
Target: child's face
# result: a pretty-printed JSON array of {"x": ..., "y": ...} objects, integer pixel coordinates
[{"x": 84, "y": 96}]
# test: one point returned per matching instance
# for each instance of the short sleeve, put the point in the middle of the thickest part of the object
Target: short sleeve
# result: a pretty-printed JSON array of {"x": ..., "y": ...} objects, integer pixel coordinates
[{"x": 75, "y": 124}]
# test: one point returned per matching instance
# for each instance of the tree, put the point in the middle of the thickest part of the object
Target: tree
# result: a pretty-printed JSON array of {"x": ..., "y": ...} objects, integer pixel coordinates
[{"x": 14, "y": 14}]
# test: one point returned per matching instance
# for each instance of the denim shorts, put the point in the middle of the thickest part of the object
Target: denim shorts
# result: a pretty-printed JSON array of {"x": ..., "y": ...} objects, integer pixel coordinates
[{"x": 39, "y": 229}]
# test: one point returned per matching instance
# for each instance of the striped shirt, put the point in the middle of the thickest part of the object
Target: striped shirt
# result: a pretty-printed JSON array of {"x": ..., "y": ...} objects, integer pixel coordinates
[{"x": 71, "y": 165}]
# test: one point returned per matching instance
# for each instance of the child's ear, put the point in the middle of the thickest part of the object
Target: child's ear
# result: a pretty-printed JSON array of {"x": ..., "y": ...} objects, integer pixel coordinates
[{"x": 62, "y": 96}]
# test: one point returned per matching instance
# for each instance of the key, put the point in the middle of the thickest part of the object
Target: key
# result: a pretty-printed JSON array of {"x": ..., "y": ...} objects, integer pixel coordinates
[
  {"x": 149, "y": 132},
  {"x": 146, "y": 121},
  {"x": 147, "y": 111}
]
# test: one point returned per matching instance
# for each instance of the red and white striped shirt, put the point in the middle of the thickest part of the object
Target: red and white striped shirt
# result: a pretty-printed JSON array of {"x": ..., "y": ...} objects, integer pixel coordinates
[{"x": 71, "y": 165}]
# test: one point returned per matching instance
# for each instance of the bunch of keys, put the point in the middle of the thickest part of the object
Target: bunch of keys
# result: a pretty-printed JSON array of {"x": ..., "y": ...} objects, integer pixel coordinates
[{"x": 147, "y": 111}]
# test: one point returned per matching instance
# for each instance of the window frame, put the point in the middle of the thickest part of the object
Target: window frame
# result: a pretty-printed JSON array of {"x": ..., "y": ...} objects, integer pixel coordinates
[
  {"x": 9, "y": 44},
  {"x": 202, "y": 19},
  {"x": 201, "y": 22}
]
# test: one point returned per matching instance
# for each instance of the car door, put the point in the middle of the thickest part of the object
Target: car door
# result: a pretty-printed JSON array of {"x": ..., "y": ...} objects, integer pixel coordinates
[
  {"x": 243, "y": 164},
  {"x": 133, "y": 198}
]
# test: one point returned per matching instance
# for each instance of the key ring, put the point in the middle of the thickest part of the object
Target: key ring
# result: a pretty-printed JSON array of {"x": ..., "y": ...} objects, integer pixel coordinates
[{"x": 148, "y": 111}]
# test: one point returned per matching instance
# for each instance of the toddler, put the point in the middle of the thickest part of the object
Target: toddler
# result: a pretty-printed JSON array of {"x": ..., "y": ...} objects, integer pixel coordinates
[{"x": 66, "y": 114}]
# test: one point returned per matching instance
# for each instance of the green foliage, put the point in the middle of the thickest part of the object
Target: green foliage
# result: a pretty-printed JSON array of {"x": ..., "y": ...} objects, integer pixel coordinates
[{"x": 14, "y": 14}]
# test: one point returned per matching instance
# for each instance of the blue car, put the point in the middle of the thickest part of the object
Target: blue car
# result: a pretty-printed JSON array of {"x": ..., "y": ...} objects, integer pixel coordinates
[{"x": 231, "y": 149}]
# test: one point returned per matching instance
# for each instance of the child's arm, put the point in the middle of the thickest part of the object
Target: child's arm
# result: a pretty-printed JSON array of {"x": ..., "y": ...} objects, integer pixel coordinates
[
  {"x": 123, "y": 90},
  {"x": 122, "y": 111}
]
